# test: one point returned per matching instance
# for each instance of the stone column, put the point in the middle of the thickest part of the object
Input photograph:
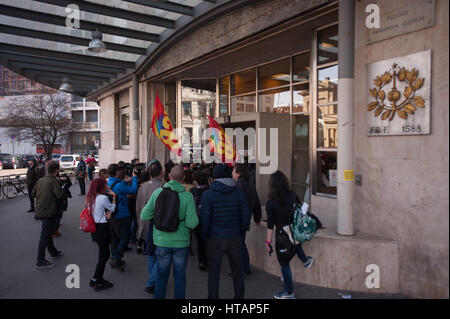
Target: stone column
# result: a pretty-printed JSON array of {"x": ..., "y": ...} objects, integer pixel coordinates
[
  {"x": 135, "y": 119},
  {"x": 345, "y": 154}
]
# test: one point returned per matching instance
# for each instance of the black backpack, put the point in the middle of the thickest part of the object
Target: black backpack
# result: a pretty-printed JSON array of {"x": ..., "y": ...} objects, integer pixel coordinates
[{"x": 166, "y": 210}]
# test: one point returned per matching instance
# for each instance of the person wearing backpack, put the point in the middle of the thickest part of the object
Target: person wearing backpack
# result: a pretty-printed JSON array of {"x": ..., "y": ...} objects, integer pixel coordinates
[
  {"x": 100, "y": 207},
  {"x": 172, "y": 209},
  {"x": 224, "y": 219},
  {"x": 201, "y": 179},
  {"x": 279, "y": 208},
  {"x": 121, "y": 219}
]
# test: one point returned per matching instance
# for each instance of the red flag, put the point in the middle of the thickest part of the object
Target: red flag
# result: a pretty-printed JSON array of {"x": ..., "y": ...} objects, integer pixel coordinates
[
  {"x": 162, "y": 127},
  {"x": 220, "y": 143}
]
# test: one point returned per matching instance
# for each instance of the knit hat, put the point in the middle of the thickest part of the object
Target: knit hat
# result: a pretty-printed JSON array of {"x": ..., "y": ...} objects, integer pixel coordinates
[
  {"x": 153, "y": 161},
  {"x": 222, "y": 171}
]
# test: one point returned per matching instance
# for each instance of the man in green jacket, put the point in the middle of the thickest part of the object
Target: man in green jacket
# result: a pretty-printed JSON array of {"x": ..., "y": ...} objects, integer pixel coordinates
[
  {"x": 48, "y": 194},
  {"x": 173, "y": 247}
]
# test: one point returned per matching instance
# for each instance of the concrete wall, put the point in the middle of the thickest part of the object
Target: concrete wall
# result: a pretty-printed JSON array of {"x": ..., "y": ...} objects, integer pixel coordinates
[
  {"x": 228, "y": 29},
  {"x": 404, "y": 195}
]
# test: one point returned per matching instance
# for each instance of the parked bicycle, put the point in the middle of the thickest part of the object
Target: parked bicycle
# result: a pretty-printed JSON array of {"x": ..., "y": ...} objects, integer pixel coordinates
[{"x": 13, "y": 187}]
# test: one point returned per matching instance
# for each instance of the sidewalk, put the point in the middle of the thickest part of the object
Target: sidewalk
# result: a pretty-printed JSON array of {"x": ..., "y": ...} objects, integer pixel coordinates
[{"x": 19, "y": 279}]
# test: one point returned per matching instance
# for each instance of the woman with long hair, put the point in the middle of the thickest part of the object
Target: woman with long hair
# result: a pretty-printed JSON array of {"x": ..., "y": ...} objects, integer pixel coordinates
[
  {"x": 279, "y": 208},
  {"x": 101, "y": 207}
]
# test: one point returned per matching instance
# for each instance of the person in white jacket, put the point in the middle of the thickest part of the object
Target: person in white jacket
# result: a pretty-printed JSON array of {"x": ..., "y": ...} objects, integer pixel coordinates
[{"x": 101, "y": 207}]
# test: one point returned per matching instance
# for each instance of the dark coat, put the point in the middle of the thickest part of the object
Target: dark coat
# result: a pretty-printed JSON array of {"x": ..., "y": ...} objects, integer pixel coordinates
[
  {"x": 224, "y": 212},
  {"x": 254, "y": 204},
  {"x": 48, "y": 194},
  {"x": 32, "y": 177}
]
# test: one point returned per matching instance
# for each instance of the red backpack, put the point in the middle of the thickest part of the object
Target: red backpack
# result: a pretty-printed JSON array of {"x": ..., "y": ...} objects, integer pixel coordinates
[{"x": 87, "y": 222}]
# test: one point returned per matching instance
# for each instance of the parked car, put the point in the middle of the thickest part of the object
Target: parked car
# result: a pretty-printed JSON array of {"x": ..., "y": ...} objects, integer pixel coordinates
[
  {"x": 68, "y": 162},
  {"x": 56, "y": 157},
  {"x": 7, "y": 161}
]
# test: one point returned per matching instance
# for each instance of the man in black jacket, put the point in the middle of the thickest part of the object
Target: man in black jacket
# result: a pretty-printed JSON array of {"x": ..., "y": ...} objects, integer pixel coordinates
[
  {"x": 224, "y": 219},
  {"x": 240, "y": 175},
  {"x": 32, "y": 177}
]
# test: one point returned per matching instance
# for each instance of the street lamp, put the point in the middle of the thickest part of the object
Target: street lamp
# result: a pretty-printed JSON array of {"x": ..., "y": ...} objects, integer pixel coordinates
[
  {"x": 65, "y": 85},
  {"x": 97, "y": 45}
]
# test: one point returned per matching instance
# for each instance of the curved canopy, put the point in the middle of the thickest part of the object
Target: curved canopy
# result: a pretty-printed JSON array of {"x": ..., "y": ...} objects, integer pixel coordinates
[{"x": 36, "y": 42}]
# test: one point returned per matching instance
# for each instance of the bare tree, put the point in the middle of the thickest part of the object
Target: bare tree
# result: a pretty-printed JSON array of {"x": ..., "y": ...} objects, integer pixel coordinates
[{"x": 40, "y": 119}]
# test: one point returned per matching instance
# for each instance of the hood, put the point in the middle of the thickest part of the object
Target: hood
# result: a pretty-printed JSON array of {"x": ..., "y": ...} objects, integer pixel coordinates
[
  {"x": 223, "y": 185},
  {"x": 175, "y": 186}
]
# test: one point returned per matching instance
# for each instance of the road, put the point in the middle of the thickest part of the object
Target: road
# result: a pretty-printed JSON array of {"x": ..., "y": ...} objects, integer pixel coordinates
[{"x": 19, "y": 279}]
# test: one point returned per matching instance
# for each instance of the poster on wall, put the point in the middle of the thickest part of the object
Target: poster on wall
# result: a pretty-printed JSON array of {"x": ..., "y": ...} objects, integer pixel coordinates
[{"x": 398, "y": 98}]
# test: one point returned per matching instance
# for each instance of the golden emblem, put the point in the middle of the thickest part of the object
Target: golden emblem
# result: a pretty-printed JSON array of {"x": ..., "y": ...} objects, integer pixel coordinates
[{"x": 393, "y": 105}]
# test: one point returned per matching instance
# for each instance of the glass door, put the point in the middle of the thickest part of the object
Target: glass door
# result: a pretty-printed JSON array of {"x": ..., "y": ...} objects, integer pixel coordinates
[
  {"x": 300, "y": 156},
  {"x": 198, "y": 100}
]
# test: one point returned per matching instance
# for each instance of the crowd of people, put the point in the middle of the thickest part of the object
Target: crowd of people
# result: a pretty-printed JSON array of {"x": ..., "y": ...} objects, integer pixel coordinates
[{"x": 159, "y": 208}]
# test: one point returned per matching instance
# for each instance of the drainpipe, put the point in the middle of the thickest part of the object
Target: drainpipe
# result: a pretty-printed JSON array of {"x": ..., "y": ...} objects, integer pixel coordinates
[
  {"x": 135, "y": 118},
  {"x": 345, "y": 154}
]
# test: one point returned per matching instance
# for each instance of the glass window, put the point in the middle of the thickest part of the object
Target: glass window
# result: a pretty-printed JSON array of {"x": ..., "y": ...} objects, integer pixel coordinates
[
  {"x": 187, "y": 108},
  {"x": 327, "y": 172},
  {"x": 274, "y": 74},
  {"x": 327, "y": 42},
  {"x": 224, "y": 84},
  {"x": 243, "y": 104},
  {"x": 327, "y": 126},
  {"x": 77, "y": 116},
  {"x": 275, "y": 101},
  {"x": 243, "y": 82},
  {"x": 301, "y": 98},
  {"x": 125, "y": 129},
  {"x": 300, "y": 67},
  {"x": 327, "y": 85},
  {"x": 92, "y": 116}
]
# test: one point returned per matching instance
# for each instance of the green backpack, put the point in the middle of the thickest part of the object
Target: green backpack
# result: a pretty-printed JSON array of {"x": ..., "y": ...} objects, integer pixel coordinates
[{"x": 303, "y": 226}]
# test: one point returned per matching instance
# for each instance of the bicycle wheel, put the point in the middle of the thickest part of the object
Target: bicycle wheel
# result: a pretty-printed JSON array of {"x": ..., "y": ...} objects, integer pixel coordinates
[{"x": 9, "y": 190}]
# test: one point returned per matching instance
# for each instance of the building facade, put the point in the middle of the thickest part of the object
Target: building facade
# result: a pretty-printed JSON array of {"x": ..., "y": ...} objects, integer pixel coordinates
[
  {"x": 335, "y": 97},
  {"x": 85, "y": 135}
]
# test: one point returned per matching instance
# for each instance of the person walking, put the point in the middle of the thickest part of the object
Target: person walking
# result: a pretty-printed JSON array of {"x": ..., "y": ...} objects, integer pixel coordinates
[
  {"x": 120, "y": 222},
  {"x": 240, "y": 175},
  {"x": 146, "y": 227},
  {"x": 101, "y": 207},
  {"x": 32, "y": 177},
  {"x": 279, "y": 208},
  {"x": 80, "y": 173},
  {"x": 171, "y": 247},
  {"x": 224, "y": 218},
  {"x": 90, "y": 162},
  {"x": 48, "y": 194}
]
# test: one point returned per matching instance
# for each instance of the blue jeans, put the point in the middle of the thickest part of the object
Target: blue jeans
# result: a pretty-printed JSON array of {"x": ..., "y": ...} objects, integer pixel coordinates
[
  {"x": 165, "y": 257},
  {"x": 286, "y": 271},
  {"x": 117, "y": 251},
  {"x": 90, "y": 171},
  {"x": 152, "y": 271}
]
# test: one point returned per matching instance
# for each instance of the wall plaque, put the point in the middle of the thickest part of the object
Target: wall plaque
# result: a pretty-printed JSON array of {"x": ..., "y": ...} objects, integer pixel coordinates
[
  {"x": 408, "y": 16},
  {"x": 398, "y": 99}
]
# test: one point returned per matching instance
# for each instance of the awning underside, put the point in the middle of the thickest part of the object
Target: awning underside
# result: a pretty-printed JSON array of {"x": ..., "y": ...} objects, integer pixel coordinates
[{"x": 36, "y": 43}]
